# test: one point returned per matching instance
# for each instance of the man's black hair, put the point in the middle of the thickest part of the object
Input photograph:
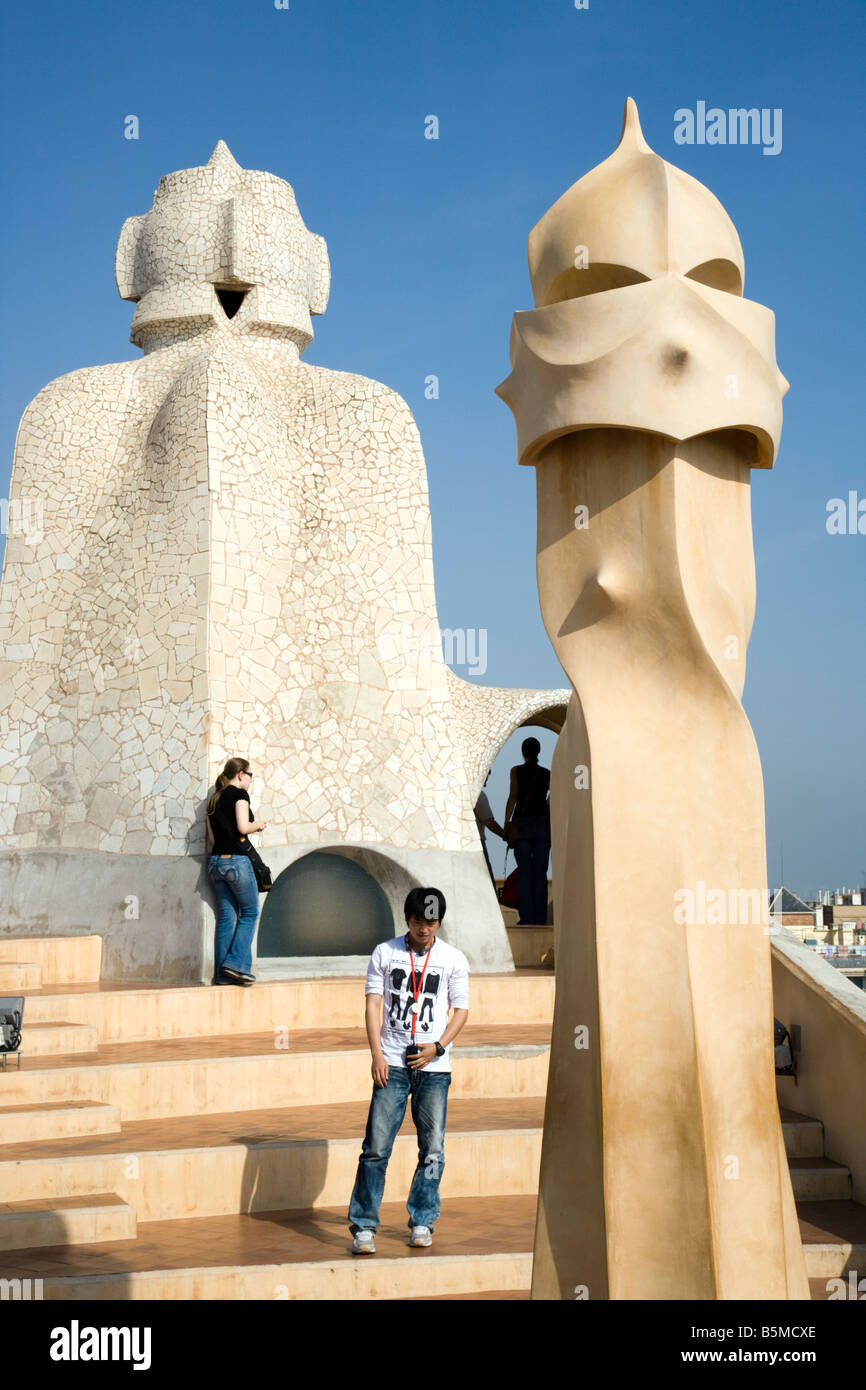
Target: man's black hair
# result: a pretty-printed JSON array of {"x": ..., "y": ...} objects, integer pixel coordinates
[
  {"x": 427, "y": 904},
  {"x": 530, "y": 747}
]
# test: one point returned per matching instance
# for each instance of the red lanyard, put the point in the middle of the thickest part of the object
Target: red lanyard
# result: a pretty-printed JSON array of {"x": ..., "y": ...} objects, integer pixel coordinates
[{"x": 416, "y": 990}]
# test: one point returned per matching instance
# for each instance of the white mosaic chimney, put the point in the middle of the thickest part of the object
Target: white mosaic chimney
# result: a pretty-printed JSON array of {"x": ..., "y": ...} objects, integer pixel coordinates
[{"x": 232, "y": 557}]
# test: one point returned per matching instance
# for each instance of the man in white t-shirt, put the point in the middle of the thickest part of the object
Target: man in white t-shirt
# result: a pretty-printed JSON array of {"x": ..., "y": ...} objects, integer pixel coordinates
[{"x": 412, "y": 981}]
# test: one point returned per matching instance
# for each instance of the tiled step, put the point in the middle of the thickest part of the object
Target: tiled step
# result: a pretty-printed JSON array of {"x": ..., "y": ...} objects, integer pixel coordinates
[
  {"x": 298, "y": 1157},
  {"x": 100, "y": 1216},
  {"x": 804, "y": 1137},
  {"x": 843, "y": 1288},
  {"x": 529, "y": 945},
  {"x": 491, "y": 1296},
  {"x": 29, "y": 1124},
  {"x": 479, "y": 1245},
  {"x": 56, "y": 1039},
  {"x": 61, "y": 959},
  {"x": 834, "y": 1237},
  {"x": 288, "y": 1157},
  {"x": 129, "y": 1014},
  {"x": 819, "y": 1179},
  {"x": 16, "y": 977},
  {"x": 253, "y": 1072}
]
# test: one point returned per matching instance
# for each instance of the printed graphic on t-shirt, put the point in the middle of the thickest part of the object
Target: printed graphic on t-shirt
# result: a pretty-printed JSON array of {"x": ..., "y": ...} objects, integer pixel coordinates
[
  {"x": 445, "y": 985},
  {"x": 402, "y": 999}
]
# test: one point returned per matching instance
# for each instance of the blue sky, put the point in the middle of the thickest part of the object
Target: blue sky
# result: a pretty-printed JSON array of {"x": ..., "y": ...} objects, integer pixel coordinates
[{"x": 428, "y": 249}]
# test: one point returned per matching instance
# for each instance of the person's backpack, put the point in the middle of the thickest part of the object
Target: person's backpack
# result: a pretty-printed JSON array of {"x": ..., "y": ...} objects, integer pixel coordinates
[
  {"x": 11, "y": 1013},
  {"x": 784, "y": 1050},
  {"x": 509, "y": 890}
]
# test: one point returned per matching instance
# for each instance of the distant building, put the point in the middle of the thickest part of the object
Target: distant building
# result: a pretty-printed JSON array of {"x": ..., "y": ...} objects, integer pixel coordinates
[
  {"x": 790, "y": 910},
  {"x": 834, "y": 926}
]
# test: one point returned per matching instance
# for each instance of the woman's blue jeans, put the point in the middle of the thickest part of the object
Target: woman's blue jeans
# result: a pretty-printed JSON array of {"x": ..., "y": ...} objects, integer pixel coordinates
[
  {"x": 237, "y": 895},
  {"x": 532, "y": 853},
  {"x": 429, "y": 1091}
]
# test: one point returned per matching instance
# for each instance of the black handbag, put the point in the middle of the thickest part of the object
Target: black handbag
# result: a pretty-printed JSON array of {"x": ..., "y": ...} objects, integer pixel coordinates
[{"x": 260, "y": 868}]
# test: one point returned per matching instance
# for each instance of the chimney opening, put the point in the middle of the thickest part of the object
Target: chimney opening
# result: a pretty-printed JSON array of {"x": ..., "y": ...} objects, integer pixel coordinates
[{"x": 230, "y": 299}]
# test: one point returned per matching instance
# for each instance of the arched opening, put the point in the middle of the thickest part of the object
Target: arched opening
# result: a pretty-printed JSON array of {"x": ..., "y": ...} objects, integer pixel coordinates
[
  {"x": 532, "y": 941},
  {"x": 324, "y": 904},
  {"x": 498, "y": 783}
]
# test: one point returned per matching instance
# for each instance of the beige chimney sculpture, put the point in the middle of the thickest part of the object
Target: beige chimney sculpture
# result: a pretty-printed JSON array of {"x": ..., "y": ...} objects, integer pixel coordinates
[{"x": 645, "y": 389}]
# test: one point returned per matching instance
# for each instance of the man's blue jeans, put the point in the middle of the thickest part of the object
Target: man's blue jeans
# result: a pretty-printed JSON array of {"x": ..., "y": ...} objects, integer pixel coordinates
[
  {"x": 237, "y": 895},
  {"x": 429, "y": 1091}
]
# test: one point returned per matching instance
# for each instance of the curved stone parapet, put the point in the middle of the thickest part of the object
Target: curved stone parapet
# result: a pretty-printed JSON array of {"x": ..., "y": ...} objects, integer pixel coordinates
[{"x": 830, "y": 1012}]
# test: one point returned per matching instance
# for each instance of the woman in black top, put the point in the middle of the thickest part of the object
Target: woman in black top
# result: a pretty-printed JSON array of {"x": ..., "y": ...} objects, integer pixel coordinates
[
  {"x": 528, "y": 801},
  {"x": 229, "y": 816}
]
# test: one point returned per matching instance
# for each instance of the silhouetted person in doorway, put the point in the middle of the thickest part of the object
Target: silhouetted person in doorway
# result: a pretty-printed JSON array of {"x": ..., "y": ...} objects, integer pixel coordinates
[{"x": 528, "y": 803}]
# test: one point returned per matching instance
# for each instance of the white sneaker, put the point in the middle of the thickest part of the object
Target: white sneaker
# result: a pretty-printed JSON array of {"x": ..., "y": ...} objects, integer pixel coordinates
[
  {"x": 421, "y": 1235},
  {"x": 363, "y": 1243}
]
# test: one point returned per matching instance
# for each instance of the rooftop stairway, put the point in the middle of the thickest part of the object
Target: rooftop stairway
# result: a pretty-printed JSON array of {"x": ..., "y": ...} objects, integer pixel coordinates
[{"x": 201, "y": 1142}]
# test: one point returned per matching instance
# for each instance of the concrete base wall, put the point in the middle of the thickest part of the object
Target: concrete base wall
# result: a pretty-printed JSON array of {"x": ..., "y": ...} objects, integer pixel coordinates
[
  {"x": 149, "y": 909},
  {"x": 155, "y": 912}
]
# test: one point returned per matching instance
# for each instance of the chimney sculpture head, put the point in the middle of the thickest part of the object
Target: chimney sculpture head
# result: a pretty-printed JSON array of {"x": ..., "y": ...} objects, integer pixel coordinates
[
  {"x": 638, "y": 218},
  {"x": 222, "y": 242},
  {"x": 638, "y": 272}
]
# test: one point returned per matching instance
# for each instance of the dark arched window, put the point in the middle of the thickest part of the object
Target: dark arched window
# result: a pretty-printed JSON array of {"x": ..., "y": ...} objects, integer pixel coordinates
[{"x": 324, "y": 905}]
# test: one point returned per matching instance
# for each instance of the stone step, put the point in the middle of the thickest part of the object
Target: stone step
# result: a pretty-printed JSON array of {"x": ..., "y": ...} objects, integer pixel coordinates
[
  {"x": 61, "y": 959},
  {"x": 96, "y": 1217},
  {"x": 297, "y": 1157},
  {"x": 491, "y": 1295},
  {"x": 480, "y": 1244},
  {"x": 56, "y": 1039},
  {"x": 819, "y": 1179},
  {"x": 16, "y": 977},
  {"x": 834, "y": 1237},
  {"x": 130, "y": 1013},
  {"x": 529, "y": 945},
  {"x": 804, "y": 1137},
  {"x": 843, "y": 1287},
  {"x": 203, "y": 1076},
  {"x": 32, "y": 1124}
]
